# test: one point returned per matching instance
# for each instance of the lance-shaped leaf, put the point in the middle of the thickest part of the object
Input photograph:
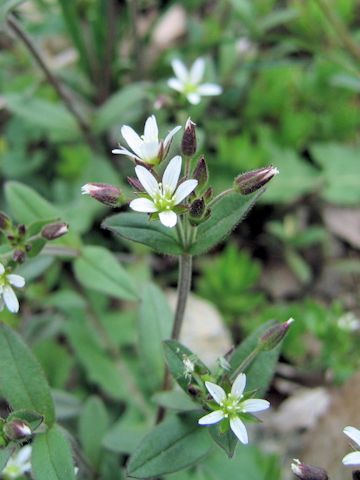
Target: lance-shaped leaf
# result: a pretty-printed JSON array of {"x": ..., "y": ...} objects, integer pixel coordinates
[
  {"x": 138, "y": 228},
  {"x": 227, "y": 440},
  {"x": 51, "y": 457},
  {"x": 177, "y": 358},
  {"x": 175, "y": 444},
  {"x": 22, "y": 381},
  {"x": 5, "y": 454},
  {"x": 225, "y": 215},
  {"x": 98, "y": 269},
  {"x": 261, "y": 370}
]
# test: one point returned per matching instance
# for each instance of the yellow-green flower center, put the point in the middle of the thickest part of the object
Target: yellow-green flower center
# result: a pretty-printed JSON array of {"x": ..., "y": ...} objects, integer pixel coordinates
[
  {"x": 163, "y": 199},
  {"x": 230, "y": 405},
  {"x": 190, "y": 88}
]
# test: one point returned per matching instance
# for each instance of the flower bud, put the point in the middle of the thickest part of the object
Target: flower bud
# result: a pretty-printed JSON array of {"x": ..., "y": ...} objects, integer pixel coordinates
[
  {"x": 17, "y": 429},
  {"x": 54, "y": 231},
  {"x": 136, "y": 184},
  {"x": 21, "y": 230},
  {"x": 5, "y": 222},
  {"x": 104, "y": 193},
  {"x": 201, "y": 173},
  {"x": 249, "y": 182},
  {"x": 274, "y": 335},
  {"x": 18, "y": 256},
  {"x": 308, "y": 472},
  {"x": 188, "y": 143},
  {"x": 208, "y": 194},
  {"x": 197, "y": 210}
]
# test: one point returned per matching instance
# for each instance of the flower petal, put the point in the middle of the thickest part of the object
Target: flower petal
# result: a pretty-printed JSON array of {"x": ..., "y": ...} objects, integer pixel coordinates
[
  {"x": 2, "y": 269},
  {"x": 132, "y": 139},
  {"x": 10, "y": 299},
  {"x": 238, "y": 386},
  {"x": 216, "y": 392},
  {"x": 353, "y": 433},
  {"x": 172, "y": 174},
  {"x": 168, "y": 218},
  {"x": 239, "y": 429},
  {"x": 176, "y": 84},
  {"x": 16, "y": 280},
  {"x": 151, "y": 131},
  {"x": 254, "y": 405},
  {"x": 24, "y": 454},
  {"x": 209, "y": 89},
  {"x": 210, "y": 418},
  {"x": 169, "y": 136},
  {"x": 124, "y": 151},
  {"x": 184, "y": 189},
  {"x": 147, "y": 180},
  {"x": 149, "y": 151},
  {"x": 197, "y": 71},
  {"x": 194, "y": 98},
  {"x": 143, "y": 205},
  {"x": 352, "y": 458},
  {"x": 180, "y": 70}
]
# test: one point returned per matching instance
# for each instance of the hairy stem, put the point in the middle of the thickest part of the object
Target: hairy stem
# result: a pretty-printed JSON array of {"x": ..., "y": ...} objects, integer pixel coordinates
[
  {"x": 20, "y": 33},
  {"x": 184, "y": 285},
  {"x": 219, "y": 197},
  {"x": 245, "y": 363}
]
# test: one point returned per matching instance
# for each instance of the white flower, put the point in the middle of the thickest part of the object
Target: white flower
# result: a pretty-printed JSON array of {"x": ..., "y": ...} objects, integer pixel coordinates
[
  {"x": 352, "y": 458},
  {"x": 164, "y": 196},
  {"x": 7, "y": 294},
  {"x": 232, "y": 406},
  {"x": 188, "y": 81},
  {"x": 18, "y": 463},
  {"x": 147, "y": 148}
]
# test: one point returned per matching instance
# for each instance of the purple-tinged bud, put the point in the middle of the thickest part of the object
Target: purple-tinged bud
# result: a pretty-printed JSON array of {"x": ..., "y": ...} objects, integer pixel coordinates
[
  {"x": 18, "y": 256},
  {"x": 54, "y": 231},
  {"x": 197, "y": 211},
  {"x": 28, "y": 247},
  {"x": 208, "y": 194},
  {"x": 5, "y": 222},
  {"x": 193, "y": 390},
  {"x": 308, "y": 472},
  {"x": 249, "y": 182},
  {"x": 17, "y": 429},
  {"x": 136, "y": 184},
  {"x": 188, "y": 143},
  {"x": 104, "y": 193},
  {"x": 274, "y": 335},
  {"x": 22, "y": 230},
  {"x": 201, "y": 173}
]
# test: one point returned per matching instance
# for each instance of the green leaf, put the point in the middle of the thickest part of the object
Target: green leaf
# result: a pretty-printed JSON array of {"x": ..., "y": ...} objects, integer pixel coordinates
[
  {"x": 50, "y": 117},
  {"x": 175, "y": 444},
  {"x": 138, "y": 228},
  {"x": 33, "y": 419},
  {"x": 155, "y": 323},
  {"x": 93, "y": 424},
  {"x": 225, "y": 215},
  {"x": 5, "y": 454},
  {"x": 340, "y": 165},
  {"x": 122, "y": 107},
  {"x": 261, "y": 370},
  {"x": 227, "y": 441},
  {"x": 22, "y": 381},
  {"x": 51, "y": 457},
  {"x": 122, "y": 438},
  {"x": 175, "y": 400},
  {"x": 99, "y": 270},
  {"x": 175, "y": 354}
]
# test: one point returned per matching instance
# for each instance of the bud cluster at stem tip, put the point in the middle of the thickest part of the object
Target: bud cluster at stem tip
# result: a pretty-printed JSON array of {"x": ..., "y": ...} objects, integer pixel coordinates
[
  {"x": 104, "y": 193},
  {"x": 188, "y": 143},
  {"x": 249, "y": 182}
]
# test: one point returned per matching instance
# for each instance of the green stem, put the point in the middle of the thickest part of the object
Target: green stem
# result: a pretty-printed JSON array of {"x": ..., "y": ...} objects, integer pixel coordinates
[
  {"x": 84, "y": 127},
  {"x": 184, "y": 285},
  {"x": 219, "y": 197},
  {"x": 245, "y": 363}
]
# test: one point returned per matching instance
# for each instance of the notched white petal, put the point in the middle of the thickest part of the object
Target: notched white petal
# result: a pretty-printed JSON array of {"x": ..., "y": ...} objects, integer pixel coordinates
[
  {"x": 151, "y": 131},
  {"x": 172, "y": 174},
  {"x": 132, "y": 139},
  {"x": 124, "y": 151},
  {"x": 255, "y": 405},
  {"x": 184, "y": 189},
  {"x": 197, "y": 71},
  {"x": 353, "y": 433},
  {"x": 213, "y": 417},
  {"x": 168, "y": 218},
  {"x": 193, "y": 98},
  {"x": 176, "y": 84},
  {"x": 239, "y": 429},
  {"x": 147, "y": 180},
  {"x": 351, "y": 459},
  {"x": 16, "y": 280},
  {"x": 239, "y": 384},
  {"x": 143, "y": 205},
  {"x": 10, "y": 299},
  {"x": 180, "y": 70},
  {"x": 216, "y": 392},
  {"x": 170, "y": 135},
  {"x": 209, "y": 89}
]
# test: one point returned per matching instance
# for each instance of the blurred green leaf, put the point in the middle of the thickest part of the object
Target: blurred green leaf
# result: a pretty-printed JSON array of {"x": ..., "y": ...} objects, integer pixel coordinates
[
  {"x": 175, "y": 400},
  {"x": 225, "y": 215},
  {"x": 176, "y": 443},
  {"x": 5, "y": 454},
  {"x": 93, "y": 423},
  {"x": 22, "y": 381},
  {"x": 98, "y": 269},
  {"x": 125, "y": 106},
  {"x": 6, "y": 7},
  {"x": 138, "y": 228},
  {"x": 155, "y": 324},
  {"x": 51, "y": 457},
  {"x": 124, "y": 437}
]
